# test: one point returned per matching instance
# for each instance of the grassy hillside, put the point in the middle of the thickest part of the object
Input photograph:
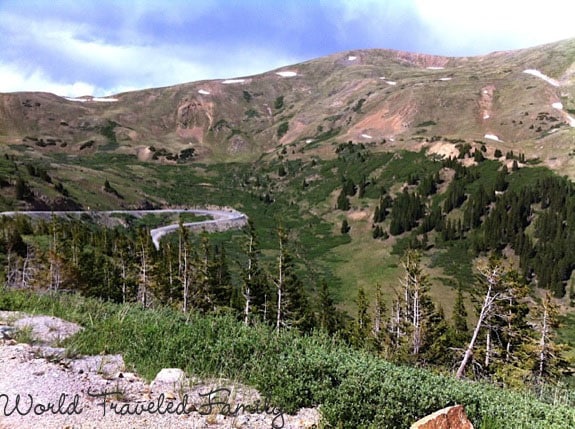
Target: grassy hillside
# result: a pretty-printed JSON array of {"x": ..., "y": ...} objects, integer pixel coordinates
[
  {"x": 352, "y": 388},
  {"x": 461, "y": 136},
  {"x": 364, "y": 95}
]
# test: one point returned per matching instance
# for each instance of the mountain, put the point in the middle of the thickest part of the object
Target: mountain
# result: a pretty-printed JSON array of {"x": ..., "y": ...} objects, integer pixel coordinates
[
  {"x": 519, "y": 100},
  {"x": 355, "y": 157}
]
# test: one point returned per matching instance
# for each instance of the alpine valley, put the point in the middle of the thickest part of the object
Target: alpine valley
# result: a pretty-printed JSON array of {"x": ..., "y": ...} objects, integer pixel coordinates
[{"x": 406, "y": 210}]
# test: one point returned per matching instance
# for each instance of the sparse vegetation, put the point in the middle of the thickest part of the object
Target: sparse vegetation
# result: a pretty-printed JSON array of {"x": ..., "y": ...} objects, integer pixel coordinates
[
  {"x": 352, "y": 211},
  {"x": 282, "y": 129},
  {"x": 354, "y": 388}
]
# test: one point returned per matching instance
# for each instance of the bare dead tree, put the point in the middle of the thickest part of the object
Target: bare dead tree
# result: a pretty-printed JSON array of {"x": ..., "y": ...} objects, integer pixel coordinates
[
  {"x": 279, "y": 282},
  {"x": 494, "y": 291},
  {"x": 247, "y": 291}
]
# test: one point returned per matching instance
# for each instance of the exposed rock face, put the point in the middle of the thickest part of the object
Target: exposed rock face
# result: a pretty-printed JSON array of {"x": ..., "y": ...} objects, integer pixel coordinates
[
  {"x": 448, "y": 418},
  {"x": 194, "y": 113}
]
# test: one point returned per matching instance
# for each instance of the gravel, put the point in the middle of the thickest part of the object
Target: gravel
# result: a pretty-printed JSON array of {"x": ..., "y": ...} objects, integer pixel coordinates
[{"x": 55, "y": 390}]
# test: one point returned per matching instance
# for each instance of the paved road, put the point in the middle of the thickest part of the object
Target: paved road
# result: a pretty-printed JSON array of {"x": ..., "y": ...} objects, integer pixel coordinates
[{"x": 222, "y": 219}]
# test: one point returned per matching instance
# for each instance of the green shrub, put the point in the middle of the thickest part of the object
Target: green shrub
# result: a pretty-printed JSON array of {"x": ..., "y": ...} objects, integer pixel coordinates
[
  {"x": 355, "y": 389},
  {"x": 282, "y": 129}
]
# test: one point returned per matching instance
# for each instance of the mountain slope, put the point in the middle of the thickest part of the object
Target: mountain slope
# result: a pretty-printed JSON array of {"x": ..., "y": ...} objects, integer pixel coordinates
[{"x": 364, "y": 95}]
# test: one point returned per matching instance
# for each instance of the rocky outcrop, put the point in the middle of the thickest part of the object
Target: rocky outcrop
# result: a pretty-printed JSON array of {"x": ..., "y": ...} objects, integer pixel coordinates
[{"x": 447, "y": 418}]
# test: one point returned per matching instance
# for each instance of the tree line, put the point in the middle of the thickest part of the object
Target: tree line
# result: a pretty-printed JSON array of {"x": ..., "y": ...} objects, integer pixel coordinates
[
  {"x": 188, "y": 272},
  {"x": 512, "y": 342}
]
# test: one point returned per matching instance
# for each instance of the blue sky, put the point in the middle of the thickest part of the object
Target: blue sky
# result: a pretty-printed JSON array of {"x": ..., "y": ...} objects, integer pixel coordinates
[{"x": 102, "y": 47}]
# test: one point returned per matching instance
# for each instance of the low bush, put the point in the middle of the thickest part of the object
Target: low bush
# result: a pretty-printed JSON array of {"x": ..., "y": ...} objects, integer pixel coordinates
[{"x": 354, "y": 389}]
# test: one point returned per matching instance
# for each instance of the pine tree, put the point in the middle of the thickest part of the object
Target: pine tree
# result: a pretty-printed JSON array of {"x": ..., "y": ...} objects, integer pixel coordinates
[
  {"x": 362, "y": 186},
  {"x": 345, "y": 227},
  {"x": 460, "y": 328},
  {"x": 123, "y": 257},
  {"x": 361, "y": 331},
  {"x": 501, "y": 180},
  {"x": 343, "y": 201},
  {"x": 376, "y": 215},
  {"x": 415, "y": 322},
  {"x": 22, "y": 189},
  {"x": 220, "y": 278},
  {"x": 203, "y": 297},
  {"x": 144, "y": 252},
  {"x": 186, "y": 269},
  {"x": 380, "y": 334},
  {"x": 327, "y": 312},
  {"x": 548, "y": 359},
  {"x": 291, "y": 302},
  {"x": 254, "y": 288}
]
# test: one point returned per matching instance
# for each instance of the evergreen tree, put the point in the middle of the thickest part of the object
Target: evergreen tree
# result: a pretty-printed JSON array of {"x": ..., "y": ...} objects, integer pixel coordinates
[
  {"x": 362, "y": 324},
  {"x": 22, "y": 189},
  {"x": 291, "y": 302},
  {"x": 254, "y": 288},
  {"x": 376, "y": 214},
  {"x": 343, "y": 201},
  {"x": 327, "y": 312},
  {"x": 123, "y": 257},
  {"x": 380, "y": 334},
  {"x": 362, "y": 186},
  {"x": 460, "y": 328},
  {"x": 345, "y": 227},
  {"x": 220, "y": 278},
  {"x": 501, "y": 179},
  {"x": 203, "y": 294},
  {"x": 547, "y": 354},
  {"x": 415, "y": 323},
  {"x": 145, "y": 250}
]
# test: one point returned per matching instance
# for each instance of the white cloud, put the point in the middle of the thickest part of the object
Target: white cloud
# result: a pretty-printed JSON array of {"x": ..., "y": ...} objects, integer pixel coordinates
[
  {"x": 488, "y": 25},
  {"x": 12, "y": 79},
  {"x": 76, "y": 55},
  {"x": 376, "y": 19},
  {"x": 109, "y": 47}
]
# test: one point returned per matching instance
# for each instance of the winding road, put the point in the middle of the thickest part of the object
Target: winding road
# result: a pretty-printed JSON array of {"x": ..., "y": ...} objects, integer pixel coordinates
[{"x": 222, "y": 219}]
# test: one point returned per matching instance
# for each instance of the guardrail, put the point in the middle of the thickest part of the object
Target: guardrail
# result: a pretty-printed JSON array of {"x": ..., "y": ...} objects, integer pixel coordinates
[{"x": 223, "y": 218}]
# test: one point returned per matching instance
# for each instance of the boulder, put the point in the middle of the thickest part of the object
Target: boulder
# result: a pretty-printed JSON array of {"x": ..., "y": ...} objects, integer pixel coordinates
[
  {"x": 170, "y": 375},
  {"x": 448, "y": 418},
  {"x": 6, "y": 332}
]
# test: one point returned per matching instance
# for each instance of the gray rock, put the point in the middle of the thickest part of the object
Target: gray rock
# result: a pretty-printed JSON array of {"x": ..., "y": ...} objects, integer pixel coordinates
[{"x": 169, "y": 375}]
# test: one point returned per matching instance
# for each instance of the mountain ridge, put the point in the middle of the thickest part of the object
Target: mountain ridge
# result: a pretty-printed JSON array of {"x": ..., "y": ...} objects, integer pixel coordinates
[{"x": 359, "y": 95}]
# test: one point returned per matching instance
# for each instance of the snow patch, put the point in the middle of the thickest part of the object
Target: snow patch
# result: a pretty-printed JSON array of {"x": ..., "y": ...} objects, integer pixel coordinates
[
  {"x": 559, "y": 106},
  {"x": 204, "y": 92},
  {"x": 492, "y": 137},
  {"x": 351, "y": 58},
  {"x": 540, "y": 75},
  {"x": 366, "y": 136},
  {"x": 308, "y": 141},
  {"x": 287, "y": 73},
  {"x": 229, "y": 81},
  {"x": 486, "y": 116},
  {"x": 435, "y": 68},
  {"x": 382, "y": 77},
  {"x": 390, "y": 82},
  {"x": 445, "y": 78}
]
